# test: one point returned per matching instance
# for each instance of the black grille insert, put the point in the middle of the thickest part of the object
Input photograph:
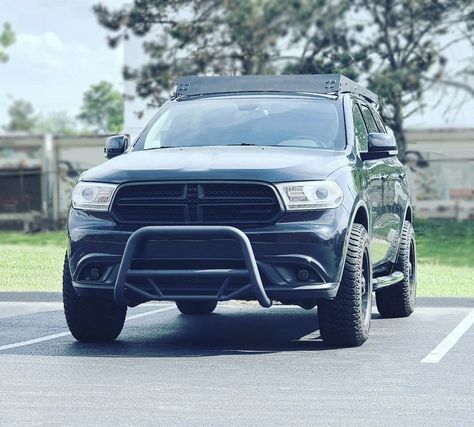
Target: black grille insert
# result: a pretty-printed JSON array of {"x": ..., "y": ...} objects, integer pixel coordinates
[{"x": 196, "y": 203}]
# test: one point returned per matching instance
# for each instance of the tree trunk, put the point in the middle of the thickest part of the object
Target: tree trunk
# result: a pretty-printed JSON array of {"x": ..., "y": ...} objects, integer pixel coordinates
[
  {"x": 398, "y": 129},
  {"x": 401, "y": 142}
]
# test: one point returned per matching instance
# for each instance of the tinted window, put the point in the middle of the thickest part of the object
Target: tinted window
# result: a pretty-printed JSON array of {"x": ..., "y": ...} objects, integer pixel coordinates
[
  {"x": 293, "y": 122},
  {"x": 379, "y": 122},
  {"x": 359, "y": 128},
  {"x": 369, "y": 120}
]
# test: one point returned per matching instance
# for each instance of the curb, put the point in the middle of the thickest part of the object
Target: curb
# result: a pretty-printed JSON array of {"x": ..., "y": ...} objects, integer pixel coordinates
[
  {"x": 445, "y": 302},
  {"x": 31, "y": 296}
]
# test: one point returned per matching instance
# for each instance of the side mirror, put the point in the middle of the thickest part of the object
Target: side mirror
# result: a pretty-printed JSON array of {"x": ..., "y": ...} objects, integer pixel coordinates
[
  {"x": 381, "y": 145},
  {"x": 115, "y": 145}
]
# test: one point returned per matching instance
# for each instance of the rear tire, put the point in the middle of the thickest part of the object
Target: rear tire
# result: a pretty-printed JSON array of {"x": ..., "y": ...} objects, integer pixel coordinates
[
  {"x": 90, "y": 319},
  {"x": 345, "y": 321},
  {"x": 196, "y": 307},
  {"x": 399, "y": 300}
]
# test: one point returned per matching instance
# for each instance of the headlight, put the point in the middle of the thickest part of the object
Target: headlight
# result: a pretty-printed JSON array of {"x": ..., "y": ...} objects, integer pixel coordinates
[
  {"x": 92, "y": 196},
  {"x": 308, "y": 195}
]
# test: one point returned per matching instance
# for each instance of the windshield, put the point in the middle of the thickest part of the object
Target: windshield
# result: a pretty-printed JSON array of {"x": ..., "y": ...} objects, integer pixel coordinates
[{"x": 258, "y": 120}]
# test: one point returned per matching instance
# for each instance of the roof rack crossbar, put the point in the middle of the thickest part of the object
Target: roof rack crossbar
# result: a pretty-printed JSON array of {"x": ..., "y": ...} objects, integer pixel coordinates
[{"x": 334, "y": 84}]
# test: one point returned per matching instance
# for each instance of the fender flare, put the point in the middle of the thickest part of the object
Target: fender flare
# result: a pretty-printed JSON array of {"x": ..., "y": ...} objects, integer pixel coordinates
[
  {"x": 408, "y": 206},
  {"x": 355, "y": 207},
  {"x": 359, "y": 202}
]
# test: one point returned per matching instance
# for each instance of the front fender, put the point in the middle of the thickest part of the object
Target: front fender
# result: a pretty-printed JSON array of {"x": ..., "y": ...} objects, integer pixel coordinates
[{"x": 355, "y": 203}]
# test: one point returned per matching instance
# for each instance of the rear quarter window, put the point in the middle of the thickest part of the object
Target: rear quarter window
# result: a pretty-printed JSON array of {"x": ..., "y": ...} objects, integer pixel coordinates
[
  {"x": 359, "y": 129},
  {"x": 379, "y": 122},
  {"x": 369, "y": 119}
]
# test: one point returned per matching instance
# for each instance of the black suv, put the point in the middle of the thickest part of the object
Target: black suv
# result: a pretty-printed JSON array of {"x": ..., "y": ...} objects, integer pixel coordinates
[{"x": 267, "y": 188}]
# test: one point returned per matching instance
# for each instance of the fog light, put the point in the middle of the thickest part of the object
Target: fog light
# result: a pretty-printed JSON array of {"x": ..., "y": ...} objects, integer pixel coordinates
[
  {"x": 303, "y": 275},
  {"x": 95, "y": 273}
]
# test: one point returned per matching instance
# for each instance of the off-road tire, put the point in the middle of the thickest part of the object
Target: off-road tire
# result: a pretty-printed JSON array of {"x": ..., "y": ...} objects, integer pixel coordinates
[
  {"x": 90, "y": 319},
  {"x": 345, "y": 321},
  {"x": 196, "y": 307},
  {"x": 399, "y": 300}
]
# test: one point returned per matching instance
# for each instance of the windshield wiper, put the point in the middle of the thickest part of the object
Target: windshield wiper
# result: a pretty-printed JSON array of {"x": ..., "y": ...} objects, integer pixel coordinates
[
  {"x": 159, "y": 148},
  {"x": 227, "y": 145}
]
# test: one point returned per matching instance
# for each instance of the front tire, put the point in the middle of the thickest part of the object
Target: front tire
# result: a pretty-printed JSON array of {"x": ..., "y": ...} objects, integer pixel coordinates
[
  {"x": 196, "y": 307},
  {"x": 399, "y": 300},
  {"x": 90, "y": 319},
  {"x": 345, "y": 321}
]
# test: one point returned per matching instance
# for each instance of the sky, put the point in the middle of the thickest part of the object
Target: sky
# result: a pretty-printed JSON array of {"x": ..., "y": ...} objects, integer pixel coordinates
[{"x": 61, "y": 50}]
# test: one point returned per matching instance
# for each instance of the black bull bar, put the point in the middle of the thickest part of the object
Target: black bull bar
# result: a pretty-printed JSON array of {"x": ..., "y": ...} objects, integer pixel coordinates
[{"x": 139, "y": 239}]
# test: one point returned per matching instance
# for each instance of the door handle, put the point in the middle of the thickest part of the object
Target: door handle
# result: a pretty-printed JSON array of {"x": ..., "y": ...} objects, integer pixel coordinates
[
  {"x": 402, "y": 175},
  {"x": 383, "y": 177}
]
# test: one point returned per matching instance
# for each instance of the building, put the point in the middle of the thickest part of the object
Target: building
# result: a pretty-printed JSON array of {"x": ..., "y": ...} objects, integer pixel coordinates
[{"x": 441, "y": 172}]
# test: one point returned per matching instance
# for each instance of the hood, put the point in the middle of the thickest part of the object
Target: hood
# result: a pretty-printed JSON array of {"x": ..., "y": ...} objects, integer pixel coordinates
[{"x": 270, "y": 164}]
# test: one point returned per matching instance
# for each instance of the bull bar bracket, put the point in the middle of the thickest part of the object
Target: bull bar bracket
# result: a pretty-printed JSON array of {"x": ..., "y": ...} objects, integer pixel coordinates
[{"x": 139, "y": 239}]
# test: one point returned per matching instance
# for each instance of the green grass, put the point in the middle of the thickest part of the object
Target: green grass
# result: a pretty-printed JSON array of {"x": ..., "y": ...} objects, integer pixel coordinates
[
  {"x": 31, "y": 262},
  {"x": 50, "y": 238},
  {"x": 445, "y": 251},
  {"x": 445, "y": 259},
  {"x": 31, "y": 267}
]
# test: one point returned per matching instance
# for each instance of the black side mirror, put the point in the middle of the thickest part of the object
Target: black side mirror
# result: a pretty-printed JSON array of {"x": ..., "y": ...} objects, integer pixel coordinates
[
  {"x": 115, "y": 145},
  {"x": 381, "y": 145}
]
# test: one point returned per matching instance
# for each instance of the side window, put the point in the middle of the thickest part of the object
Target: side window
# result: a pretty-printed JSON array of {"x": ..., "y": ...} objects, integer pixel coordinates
[
  {"x": 379, "y": 121},
  {"x": 369, "y": 119},
  {"x": 359, "y": 128}
]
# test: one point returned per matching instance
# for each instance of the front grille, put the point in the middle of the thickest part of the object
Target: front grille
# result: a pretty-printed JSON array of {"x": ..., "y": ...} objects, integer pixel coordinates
[{"x": 228, "y": 203}]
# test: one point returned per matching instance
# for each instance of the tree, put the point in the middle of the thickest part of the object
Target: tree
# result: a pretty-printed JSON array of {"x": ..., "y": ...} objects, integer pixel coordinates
[
  {"x": 7, "y": 38},
  {"x": 22, "y": 117},
  {"x": 406, "y": 37},
  {"x": 326, "y": 41},
  {"x": 226, "y": 37},
  {"x": 394, "y": 45},
  {"x": 461, "y": 33},
  {"x": 56, "y": 123},
  {"x": 102, "y": 108}
]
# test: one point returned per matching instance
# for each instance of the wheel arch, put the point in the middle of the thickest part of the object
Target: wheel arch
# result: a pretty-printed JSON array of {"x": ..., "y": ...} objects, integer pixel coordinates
[
  {"x": 409, "y": 214},
  {"x": 358, "y": 215},
  {"x": 361, "y": 217}
]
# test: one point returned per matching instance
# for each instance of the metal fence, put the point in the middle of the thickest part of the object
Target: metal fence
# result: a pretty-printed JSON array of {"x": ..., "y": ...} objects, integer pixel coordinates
[{"x": 37, "y": 175}]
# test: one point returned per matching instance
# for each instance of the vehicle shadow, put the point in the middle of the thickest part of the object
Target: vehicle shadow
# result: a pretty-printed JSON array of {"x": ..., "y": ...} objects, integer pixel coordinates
[{"x": 224, "y": 333}]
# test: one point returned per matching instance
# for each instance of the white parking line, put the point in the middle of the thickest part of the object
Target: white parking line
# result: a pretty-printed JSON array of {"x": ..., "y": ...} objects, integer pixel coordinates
[
  {"x": 311, "y": 336},
  {"x": 34, "y": 341},
  {"x": 453, "y": 337},
  {"x": 65, "y": 334},
  {"x": 149, "y": 313},
  {"x": 20, "y": 308}
]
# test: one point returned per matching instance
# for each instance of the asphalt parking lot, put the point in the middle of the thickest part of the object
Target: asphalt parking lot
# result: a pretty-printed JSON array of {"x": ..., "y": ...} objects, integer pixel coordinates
[{"x": 242, "y": 365}]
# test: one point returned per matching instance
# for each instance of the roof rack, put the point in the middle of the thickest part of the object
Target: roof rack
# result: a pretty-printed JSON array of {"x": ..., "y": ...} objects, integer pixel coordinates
[{"x": 330, "y": 84}]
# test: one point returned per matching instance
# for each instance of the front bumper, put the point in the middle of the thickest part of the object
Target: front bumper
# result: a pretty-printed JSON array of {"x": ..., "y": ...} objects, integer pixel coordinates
[{"x": 290, "y": 262}]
